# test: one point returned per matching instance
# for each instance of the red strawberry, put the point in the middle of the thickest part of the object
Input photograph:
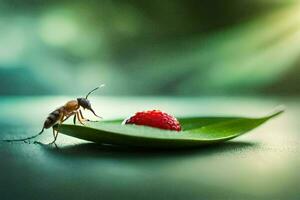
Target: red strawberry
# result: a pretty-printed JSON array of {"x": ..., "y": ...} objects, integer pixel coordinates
[{"x": 155, "y": 118}]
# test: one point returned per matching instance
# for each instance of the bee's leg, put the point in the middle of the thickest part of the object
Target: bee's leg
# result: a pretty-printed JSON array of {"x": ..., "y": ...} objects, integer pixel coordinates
[
  {"x": 82, "y": 117},
  {"x": 55, "y": 139},
  {"x": 55, "y": 134},
  {"x": 67, "y": 117},
  {"x": 78, "y": 117},
  {"x": 74, "y": 119}
]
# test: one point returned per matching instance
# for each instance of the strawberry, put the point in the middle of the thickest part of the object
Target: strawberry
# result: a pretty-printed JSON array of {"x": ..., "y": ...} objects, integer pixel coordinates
[{"x": 155, "y": 118}]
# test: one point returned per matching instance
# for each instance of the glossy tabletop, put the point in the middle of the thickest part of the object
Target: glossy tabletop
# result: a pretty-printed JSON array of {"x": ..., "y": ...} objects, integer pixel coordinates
[{"x": 263, "y": 164}]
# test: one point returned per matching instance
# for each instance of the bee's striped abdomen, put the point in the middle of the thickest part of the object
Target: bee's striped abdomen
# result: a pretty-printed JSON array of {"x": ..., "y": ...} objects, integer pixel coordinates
[{"x": 53, "y": 118}]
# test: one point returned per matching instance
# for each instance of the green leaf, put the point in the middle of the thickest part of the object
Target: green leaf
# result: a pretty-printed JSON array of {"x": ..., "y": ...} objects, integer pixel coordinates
[{"x": 197, "y": 131}]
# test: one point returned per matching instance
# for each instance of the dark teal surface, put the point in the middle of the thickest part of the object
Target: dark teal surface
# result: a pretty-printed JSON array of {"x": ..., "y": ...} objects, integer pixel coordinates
[{"x": 261, "y": 165}]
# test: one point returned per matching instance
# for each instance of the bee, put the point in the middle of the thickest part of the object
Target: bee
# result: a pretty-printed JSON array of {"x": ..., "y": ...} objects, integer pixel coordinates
[{"x": 61, "y": 114}]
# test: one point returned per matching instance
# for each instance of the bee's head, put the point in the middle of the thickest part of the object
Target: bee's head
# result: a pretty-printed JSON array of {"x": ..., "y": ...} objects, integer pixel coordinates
[{"x": 84, "y": 103}]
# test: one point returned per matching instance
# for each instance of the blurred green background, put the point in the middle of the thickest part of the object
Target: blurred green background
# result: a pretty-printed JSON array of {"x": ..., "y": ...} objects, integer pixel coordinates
[{"x": 142, "y": 47}]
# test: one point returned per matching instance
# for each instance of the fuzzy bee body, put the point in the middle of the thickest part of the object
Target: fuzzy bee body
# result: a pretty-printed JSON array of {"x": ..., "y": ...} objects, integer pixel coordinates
[{"x": 64, "y": 111}]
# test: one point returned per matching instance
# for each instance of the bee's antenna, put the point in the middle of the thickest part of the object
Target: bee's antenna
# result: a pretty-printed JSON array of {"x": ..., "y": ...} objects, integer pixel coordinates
[
  {"x": 24, "y": 139},
  {"x": 102, "y": 85}
]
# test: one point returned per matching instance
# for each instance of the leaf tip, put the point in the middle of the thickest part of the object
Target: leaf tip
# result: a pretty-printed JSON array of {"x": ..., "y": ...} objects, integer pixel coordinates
[{"x": 277, "y": 111}]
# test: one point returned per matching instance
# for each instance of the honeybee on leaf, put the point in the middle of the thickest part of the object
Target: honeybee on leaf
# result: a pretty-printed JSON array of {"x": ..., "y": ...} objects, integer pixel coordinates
[{"x": 61, "y": 114}]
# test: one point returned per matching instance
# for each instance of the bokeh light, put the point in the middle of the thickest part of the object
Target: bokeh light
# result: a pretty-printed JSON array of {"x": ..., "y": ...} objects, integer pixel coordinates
[{"x": 181, "y": 48}]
